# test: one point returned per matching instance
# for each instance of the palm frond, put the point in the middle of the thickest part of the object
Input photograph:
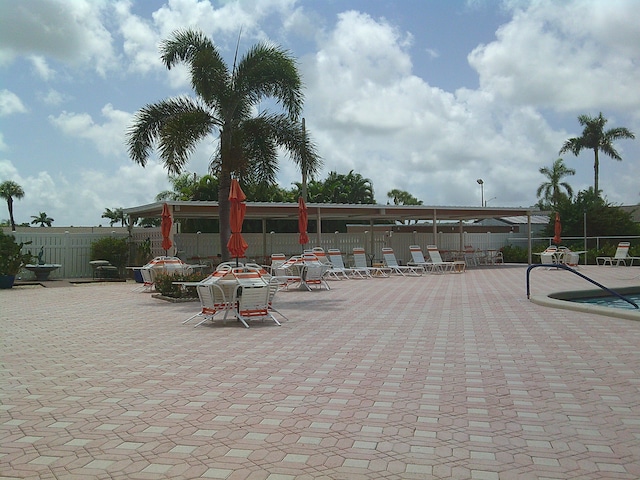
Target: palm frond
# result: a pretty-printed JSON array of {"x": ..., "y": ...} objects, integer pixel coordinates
[
  {"x": 175, "y": 124},
  {"x": 269, "y": 71}
]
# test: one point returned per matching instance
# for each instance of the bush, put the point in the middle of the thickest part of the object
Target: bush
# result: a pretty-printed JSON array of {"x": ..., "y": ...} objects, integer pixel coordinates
[
  {"x": 114, "y": 250},
  {"x": 514, "y": 254},
  {"x": 164, "y": 285},
  {"x": 11, "y": 257}
]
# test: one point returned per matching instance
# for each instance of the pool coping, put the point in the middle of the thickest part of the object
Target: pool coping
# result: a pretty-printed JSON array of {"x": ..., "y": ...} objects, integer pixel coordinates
[{"x": 549, "y": 301}]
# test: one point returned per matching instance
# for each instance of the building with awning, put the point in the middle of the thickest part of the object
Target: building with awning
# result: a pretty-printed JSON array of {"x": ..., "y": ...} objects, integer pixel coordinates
[{"x": 372, "y": 213}]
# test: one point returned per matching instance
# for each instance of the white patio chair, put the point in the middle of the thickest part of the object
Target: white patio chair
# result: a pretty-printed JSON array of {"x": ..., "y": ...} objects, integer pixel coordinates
[
  {"x": 391, "y": 262},
  {"x": 274, "y": 287},
  {"x": 212, "y": 301},
  {"x": 253, "y": 302},
  {"x": 314, "y": 272}
]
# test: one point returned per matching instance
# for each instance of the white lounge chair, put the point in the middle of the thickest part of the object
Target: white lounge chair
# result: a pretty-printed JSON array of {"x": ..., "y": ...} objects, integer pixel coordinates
[
  {"x": 360, "y": 261},
  {"x": 441, "y": 265},
  {"x": 338, "y": 269},
  {"x": 621, "y": 256},
  {"x": 417, "y": 259},
  {"x": 391, "y": 262}
]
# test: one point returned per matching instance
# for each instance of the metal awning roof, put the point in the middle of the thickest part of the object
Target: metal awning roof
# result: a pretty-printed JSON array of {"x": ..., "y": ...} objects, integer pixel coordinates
[{"x": 331, "y": 211}]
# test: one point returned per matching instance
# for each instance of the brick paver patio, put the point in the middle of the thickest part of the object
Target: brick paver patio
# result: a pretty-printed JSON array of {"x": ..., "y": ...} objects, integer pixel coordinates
[{"x": 443, "y": 376}]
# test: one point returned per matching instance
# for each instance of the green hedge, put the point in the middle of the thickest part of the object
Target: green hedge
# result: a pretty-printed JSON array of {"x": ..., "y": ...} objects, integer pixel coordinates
[{"x": 164, "y": 285}]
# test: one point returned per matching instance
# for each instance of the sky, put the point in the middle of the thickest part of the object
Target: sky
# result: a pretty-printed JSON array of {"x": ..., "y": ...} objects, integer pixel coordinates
[{"x": 425, "y": 96}]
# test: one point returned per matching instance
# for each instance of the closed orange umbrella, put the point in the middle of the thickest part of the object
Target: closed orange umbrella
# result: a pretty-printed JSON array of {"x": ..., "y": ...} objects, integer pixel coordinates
[
  {"x": 165, "y": 228},
  {"x": 302, "y": 222},
  {"x": 557, "y": 230},
  {"x": 236, "y": 244}
]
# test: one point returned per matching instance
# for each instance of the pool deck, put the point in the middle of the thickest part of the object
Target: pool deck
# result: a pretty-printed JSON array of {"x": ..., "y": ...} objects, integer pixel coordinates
[{"x": 443, "y": 376}]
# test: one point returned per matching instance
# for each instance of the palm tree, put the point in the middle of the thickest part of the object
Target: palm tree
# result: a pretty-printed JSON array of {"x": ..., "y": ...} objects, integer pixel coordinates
[
  {"x": 42, "y": 218},
  {"x": 116, "y": 215},
  {"x": 595, "y": 138},
  {"x": 225, "y": 102},
  {"x": 550, "y": 191},
  {"x": 10, "y": 190},
  {"x": 402, "y": 197}
]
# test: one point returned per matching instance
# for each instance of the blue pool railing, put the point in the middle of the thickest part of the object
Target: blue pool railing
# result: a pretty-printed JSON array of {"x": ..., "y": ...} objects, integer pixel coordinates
[{"x": 565, "y": 267}]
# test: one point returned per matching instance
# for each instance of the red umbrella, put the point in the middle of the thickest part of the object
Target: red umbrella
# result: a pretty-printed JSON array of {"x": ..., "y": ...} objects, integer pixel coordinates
[
  {"x": 557, "y": 230},
  {"x": 165, "y": 228},
  {"x": 302, "y": 222},
  {"x": 236, "y": 245}
]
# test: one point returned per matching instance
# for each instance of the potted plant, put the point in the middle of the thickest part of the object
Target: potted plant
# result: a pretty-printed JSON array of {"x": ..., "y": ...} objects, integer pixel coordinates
[{"x": 11, "y": 259}]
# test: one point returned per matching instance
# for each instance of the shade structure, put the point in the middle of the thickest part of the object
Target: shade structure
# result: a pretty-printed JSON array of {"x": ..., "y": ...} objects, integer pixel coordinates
[
  {"x": 303, "y": 219},
  {"x": 236, "y": 244},
  {"x": 165, "y": 228},
  {"x": 557, "y": 230}
]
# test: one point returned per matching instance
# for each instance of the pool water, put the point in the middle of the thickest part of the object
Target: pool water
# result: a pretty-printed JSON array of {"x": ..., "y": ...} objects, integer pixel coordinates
[{"x": 610, "y": 301}]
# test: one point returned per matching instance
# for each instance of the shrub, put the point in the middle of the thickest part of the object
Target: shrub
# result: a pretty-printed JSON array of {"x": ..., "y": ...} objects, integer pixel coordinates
[
  {"x": 11, "y": 257},
  {"x": 114, "y": 250},
  {"x": 513, "y": 254},
  {"x": 164, "y": 285}
]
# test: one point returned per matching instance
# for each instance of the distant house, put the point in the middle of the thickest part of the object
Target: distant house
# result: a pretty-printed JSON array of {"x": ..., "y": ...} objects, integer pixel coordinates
[{"x": 516, "y": 224}]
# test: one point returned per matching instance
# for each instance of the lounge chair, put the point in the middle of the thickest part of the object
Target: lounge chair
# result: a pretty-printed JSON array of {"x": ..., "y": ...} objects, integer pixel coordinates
[
  {"x": 441, "y": 265},
  {"x": 417, "y": 259},
  {"x": 621, "y": 256},
  {"x": 321, "y": 255},
  {"x": 335, "y": 256},
  {"x": 337, "y": 270},
  {"x": 391, "y": 262},
  {"x": 360, "y": 261}
]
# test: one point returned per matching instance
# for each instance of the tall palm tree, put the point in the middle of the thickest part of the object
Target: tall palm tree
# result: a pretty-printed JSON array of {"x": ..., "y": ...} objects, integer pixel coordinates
[
  {"x": 551, "y": 190},
  {"x": 595, "y": 138},
  {"x": 10, "y": 190},
  {"x": 42, "y": 218},
  {"x": 116, "y": 215},
  {"x": 225, "y": 103}
]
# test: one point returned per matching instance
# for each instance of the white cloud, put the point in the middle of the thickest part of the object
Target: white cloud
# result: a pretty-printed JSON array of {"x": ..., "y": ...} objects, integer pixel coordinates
[
  {"x": 71, "y": 31},
  {"x": 108, "y": 137},
  {"x": 565, "y": 55},
  {"x": 10, "y": 103},
  {"x": 52, "y": 97},
  {"x": 41, "y": 67}
]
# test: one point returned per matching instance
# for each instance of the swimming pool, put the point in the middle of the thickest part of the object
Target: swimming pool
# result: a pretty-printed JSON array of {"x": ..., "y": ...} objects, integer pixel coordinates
[
  {"x": 594, "y": 301},
  {"x": 610, "y": 301}
]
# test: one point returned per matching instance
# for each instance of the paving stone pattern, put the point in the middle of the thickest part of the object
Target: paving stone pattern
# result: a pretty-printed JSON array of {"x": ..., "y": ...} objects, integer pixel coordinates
[{"x": 440, "y": 376}]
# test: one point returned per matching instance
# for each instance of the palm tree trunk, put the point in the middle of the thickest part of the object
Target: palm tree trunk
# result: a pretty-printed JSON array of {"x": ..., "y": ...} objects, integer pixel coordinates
[
  {"x": 596, "y": 167},
  {"x": 10, "y": 207},
  {"x": 223, "y": 212}
]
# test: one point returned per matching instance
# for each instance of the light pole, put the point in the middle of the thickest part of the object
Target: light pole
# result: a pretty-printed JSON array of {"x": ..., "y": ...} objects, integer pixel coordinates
[{"x": 481, "y": 183}]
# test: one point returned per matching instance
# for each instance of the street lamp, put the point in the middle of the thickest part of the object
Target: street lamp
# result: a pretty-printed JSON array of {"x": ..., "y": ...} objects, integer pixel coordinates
[{"x": 481, "y": 183}]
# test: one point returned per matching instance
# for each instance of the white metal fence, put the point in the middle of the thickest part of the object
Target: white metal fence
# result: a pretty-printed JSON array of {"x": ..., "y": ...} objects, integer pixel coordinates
[{"x": 73, "y": 250}]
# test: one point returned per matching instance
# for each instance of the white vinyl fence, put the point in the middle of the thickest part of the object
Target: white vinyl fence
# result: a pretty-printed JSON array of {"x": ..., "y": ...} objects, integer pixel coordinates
[{"x": 72, "y": 250}]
